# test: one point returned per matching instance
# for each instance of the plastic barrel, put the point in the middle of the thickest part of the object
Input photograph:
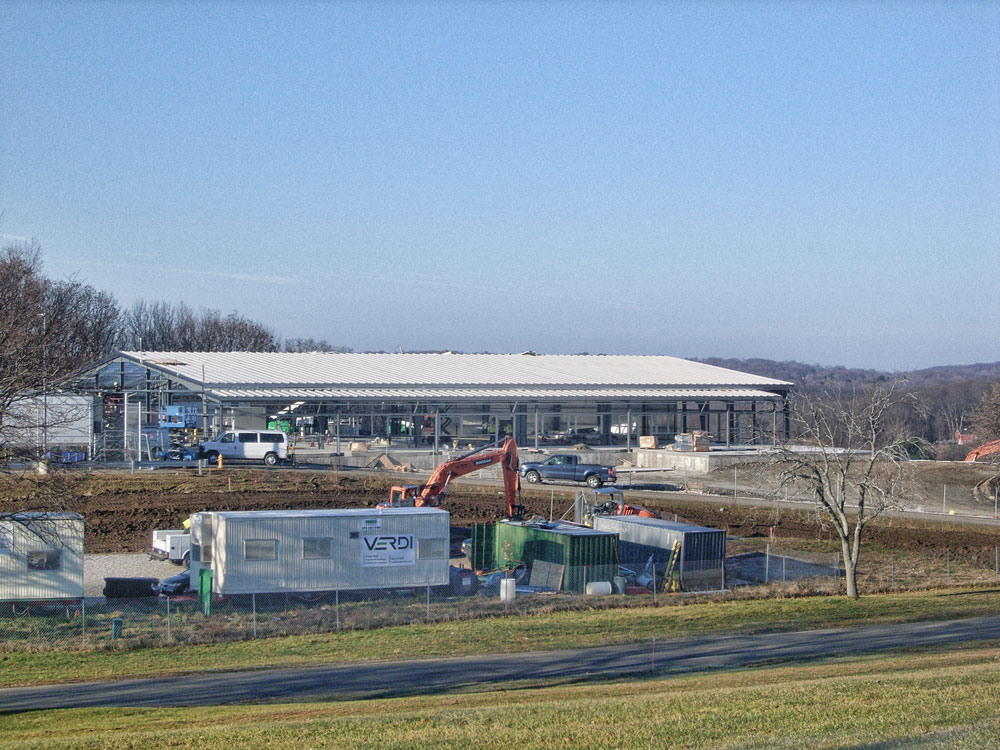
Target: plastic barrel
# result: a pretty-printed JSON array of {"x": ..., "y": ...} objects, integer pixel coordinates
[
  {"x": 598, "y": 588},
  {"x": 508, "y": 589}
]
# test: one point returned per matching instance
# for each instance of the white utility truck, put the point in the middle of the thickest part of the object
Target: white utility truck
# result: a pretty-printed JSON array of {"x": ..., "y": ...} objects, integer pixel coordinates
[{"x": 173, "y": 545}]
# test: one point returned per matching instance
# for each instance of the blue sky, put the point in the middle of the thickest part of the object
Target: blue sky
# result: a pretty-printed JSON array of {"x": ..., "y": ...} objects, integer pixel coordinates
[{"x": 797, "y": 180}]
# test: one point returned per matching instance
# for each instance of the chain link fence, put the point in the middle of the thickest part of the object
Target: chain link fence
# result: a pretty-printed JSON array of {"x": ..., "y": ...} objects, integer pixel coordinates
[
  {"x": 754, "y": 567},
  {"x": 101, "y": 622}
]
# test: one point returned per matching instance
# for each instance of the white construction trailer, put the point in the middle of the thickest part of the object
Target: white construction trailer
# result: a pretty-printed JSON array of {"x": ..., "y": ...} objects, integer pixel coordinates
[
  {"x": 287, "y": 551},
  {"x": 41, "y": 556}
]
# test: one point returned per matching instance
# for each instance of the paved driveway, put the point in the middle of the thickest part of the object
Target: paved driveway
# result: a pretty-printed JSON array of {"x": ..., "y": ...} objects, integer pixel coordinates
[{"x": 340, "y": 681}]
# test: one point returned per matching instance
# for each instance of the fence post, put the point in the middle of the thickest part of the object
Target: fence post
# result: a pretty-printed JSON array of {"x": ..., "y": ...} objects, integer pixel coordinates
[
  {"x": 337, "y": 605},
  {"x": 783, "y": 558},
  {"x": 83, "y": 618},
  {"x": 892, "y": 572},
  {"x": 428, "y": 618},
  {"x": 654, "y": 581},
  {"x": 253, "y": 603},
  {"x": 996, "y": 563},
  {"x": 947, "y": 557},
  {"x": 767, "y": 564},
  {"x": 168, "y": 620}
]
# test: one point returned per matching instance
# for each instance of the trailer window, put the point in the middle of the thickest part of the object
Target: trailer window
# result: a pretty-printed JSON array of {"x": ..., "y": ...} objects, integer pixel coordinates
[
  {"x": 432, "y": 549},
  {"x": 260, "y": 549},
  {"x": 44, "y": 559},
  {"x": 206, "y": 538},
  {"x": 6, "y": 536},
  {"x": 317, "y": 548}
]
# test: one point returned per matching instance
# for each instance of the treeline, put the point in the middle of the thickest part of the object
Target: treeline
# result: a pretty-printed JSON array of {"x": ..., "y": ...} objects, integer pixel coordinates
[
  {"x": 162, "y": 326},
  {"x": 822, "y": 376},
  {"x": 941, "y": 401},
  {"x": 75, "y": 324}
]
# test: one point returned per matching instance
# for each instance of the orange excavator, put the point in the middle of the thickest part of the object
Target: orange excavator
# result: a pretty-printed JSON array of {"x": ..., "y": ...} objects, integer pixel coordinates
[
  {"x": 986, "y": 449},
  {"x": 432, "y": 493}
]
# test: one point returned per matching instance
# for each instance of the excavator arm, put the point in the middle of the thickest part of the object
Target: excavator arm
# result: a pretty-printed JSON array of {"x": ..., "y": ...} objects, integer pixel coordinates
[
  {"x": 432, "y": 493},
  {"x": 986, "y": 449}
]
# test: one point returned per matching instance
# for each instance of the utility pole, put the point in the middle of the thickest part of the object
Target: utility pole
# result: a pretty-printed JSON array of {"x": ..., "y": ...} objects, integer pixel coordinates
[{"x": 45, "y": 385}]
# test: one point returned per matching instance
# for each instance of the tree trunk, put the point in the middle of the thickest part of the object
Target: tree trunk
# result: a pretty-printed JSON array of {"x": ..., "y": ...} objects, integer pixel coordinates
[{"x": 850, "y": 570}]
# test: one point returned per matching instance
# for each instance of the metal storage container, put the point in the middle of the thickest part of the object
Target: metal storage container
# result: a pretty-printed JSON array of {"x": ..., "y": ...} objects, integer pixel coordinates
[
  {"x": 703, "y": 550},
  {"x": 41, "y": 556},
  {"x": 585, "y": 554},
  {"x": 257, "y": 552}
]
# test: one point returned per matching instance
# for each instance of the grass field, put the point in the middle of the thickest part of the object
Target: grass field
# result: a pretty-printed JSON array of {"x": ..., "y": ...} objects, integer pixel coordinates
[
  {"x": 925, "y": 700},
  {"x": 501, "y": 635}
]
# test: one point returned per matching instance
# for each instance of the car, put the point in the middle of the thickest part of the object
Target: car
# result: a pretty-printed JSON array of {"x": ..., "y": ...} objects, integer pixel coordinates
[
  {"x": 567, "y": 467},
  {"x": 269, "y": 446},
  {"x": 175, "y": 585}
]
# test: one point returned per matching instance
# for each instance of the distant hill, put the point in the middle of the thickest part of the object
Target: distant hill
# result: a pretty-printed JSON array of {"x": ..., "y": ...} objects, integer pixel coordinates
[
  {"x": 941, "y": 404},
  {"x": 818, "y": 376}
]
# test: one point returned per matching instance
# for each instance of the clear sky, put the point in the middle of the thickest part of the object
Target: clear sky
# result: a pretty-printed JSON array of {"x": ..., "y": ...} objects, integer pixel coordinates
[{"x": 817, "y": 181}]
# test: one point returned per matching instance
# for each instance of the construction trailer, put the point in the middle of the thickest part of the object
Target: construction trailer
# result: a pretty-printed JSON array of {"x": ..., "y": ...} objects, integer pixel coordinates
[
  {"x": 701, "y": 563},
  {"x": 41, "y": 556},
  {"x": 560, "y": 556},
  {"x": 300, "y": 551}
]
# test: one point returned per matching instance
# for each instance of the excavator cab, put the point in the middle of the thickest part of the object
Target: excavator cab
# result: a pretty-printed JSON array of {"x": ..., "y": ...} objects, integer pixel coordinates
[
  {"x": 604, "y": 501},
  {"x": 402, "y": 496}
]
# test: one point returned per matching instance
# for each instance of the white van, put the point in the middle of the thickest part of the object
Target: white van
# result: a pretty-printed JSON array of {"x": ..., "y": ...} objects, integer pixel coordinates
[{"x": 269, "y": 446}]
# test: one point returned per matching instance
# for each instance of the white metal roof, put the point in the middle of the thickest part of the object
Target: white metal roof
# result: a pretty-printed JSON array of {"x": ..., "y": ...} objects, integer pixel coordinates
[
  {"x": 262, "y": 515},
  {"x": 505, "y": 394},
  {"x": 475, "y": 374}
]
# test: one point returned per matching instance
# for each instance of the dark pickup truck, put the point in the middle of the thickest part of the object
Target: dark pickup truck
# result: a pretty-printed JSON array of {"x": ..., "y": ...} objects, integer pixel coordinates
[{"x": 567, "y": 467}]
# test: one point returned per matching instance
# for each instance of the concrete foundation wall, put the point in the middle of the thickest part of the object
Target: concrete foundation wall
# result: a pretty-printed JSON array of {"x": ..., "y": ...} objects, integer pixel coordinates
[
  {"x": 691, "y": 462},
  {"x": 695, "y": 462}
]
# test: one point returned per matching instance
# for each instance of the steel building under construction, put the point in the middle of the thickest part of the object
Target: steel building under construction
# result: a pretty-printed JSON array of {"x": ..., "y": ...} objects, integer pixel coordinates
[{"x": 438, "y": 400}]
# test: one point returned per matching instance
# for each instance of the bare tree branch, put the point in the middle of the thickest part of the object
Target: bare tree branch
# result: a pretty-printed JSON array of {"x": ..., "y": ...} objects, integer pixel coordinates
[{"x": 846, "y": 450}]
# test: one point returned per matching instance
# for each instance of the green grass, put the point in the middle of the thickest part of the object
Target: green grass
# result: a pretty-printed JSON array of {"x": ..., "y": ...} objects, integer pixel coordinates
[
  {"x": 931, "y": 699},
  {"x": 499, "y": 635}
]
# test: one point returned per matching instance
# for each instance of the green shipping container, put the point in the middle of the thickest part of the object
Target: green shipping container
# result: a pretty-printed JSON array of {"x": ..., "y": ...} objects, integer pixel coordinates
[{"x": 585, "y": 554}]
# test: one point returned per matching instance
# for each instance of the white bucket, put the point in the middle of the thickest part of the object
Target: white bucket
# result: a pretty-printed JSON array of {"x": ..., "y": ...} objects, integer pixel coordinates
[
  {"x": 598, "y": 588},
  {"x": 508, "y": 589}
]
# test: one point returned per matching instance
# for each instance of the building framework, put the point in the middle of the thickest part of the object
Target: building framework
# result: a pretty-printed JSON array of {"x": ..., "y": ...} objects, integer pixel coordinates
[{"x": 432, "y": 400}]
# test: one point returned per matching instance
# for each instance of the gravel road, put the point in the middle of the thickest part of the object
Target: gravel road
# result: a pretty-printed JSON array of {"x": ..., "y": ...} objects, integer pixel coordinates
[{"x": 98, "y": 567}]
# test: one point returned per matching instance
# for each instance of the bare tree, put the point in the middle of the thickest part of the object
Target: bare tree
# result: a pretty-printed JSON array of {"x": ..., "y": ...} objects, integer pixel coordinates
[
  {"x": 160, "y": 326},
  {"x": 312, "y": 345},
  {"x": 48, "y": 331},
  {"x": 986, "y": 416},
  {"x": 849, "y": 461}
]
